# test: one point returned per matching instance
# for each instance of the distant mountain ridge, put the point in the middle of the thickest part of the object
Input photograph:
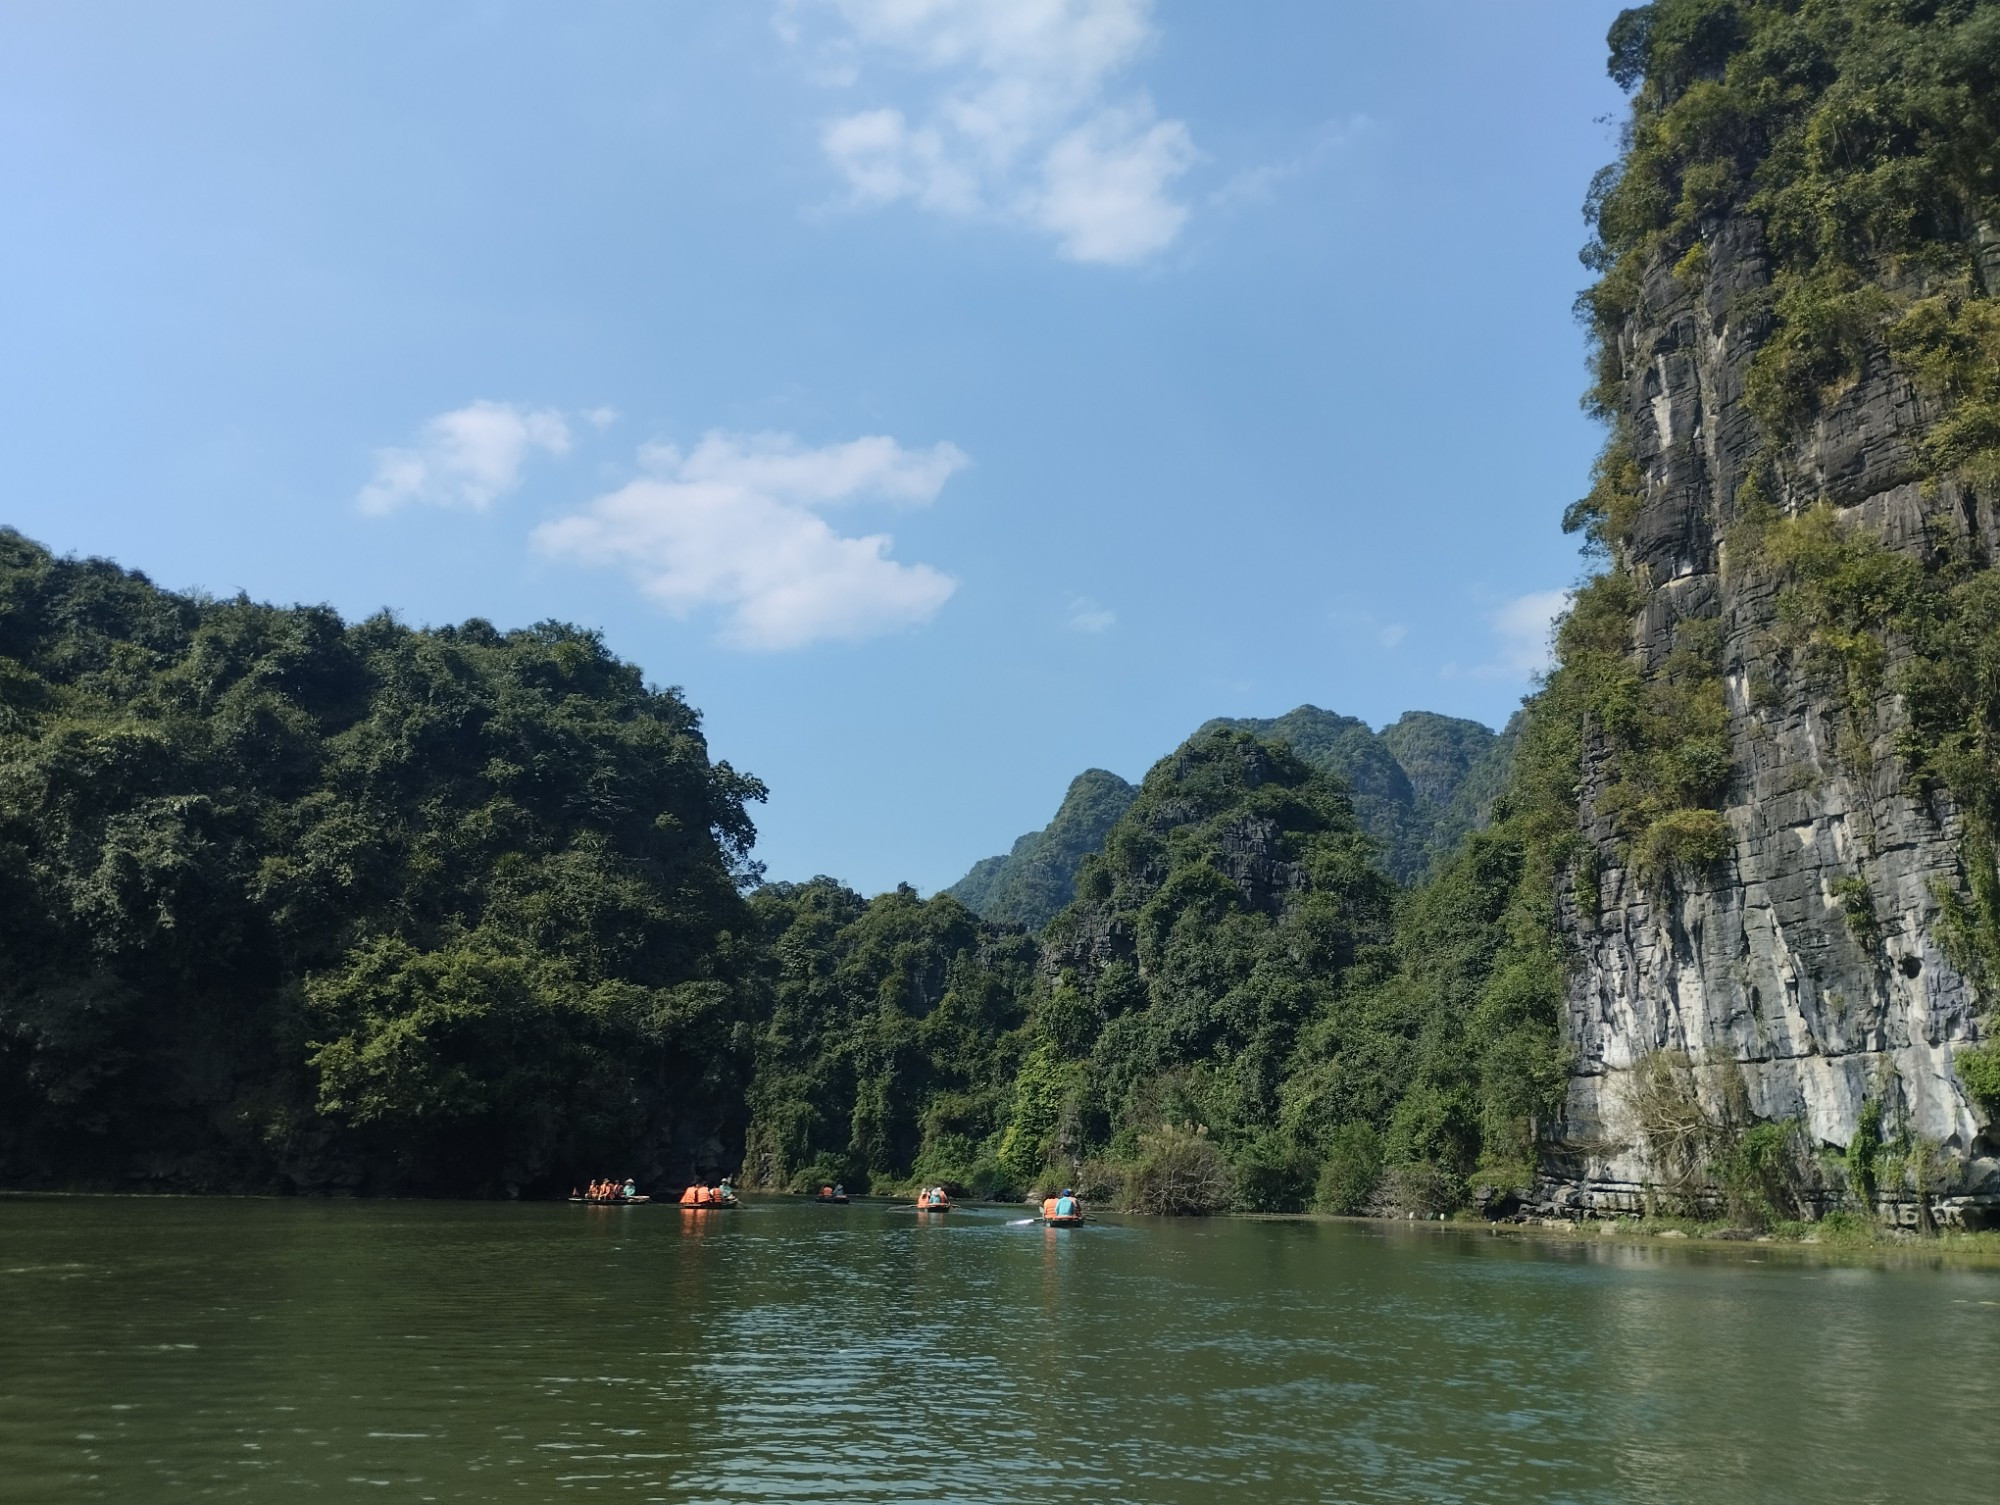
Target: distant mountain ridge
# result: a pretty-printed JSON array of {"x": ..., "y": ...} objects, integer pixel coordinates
[
  {"x": 1418, "y": 786},
  {"x": 1038, "y": 877}
]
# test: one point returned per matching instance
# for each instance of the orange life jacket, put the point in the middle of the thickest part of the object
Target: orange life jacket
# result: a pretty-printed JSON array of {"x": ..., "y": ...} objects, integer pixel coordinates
[
  {"x": 1048, "y": 1207},
  {"x": 691, "y": 1196}
]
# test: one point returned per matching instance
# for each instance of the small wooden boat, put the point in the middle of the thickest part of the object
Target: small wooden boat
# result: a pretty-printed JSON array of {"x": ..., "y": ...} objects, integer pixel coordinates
[
  {"x": 831, "y": 1200},
  {"x": 1064, "y": 1219},
  {"x": 611, "y": 1201},
  {"x": 721, "y": 1206},
  {"x": 934, "y": 1206}
]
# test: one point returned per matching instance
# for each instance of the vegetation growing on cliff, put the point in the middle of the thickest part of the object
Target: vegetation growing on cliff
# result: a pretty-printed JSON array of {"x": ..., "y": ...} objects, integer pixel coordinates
[{"x": 1862, "y": 141}]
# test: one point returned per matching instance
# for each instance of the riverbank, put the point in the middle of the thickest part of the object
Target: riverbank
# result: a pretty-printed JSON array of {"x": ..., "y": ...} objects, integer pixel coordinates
[
  {"x": 1843, "y": 1237},
  {"x": 1839, "y": 1235}
]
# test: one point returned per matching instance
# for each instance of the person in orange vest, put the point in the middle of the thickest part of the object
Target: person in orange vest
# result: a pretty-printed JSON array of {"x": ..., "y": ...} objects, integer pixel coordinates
[
  {"x": 1048, "y": 1207},
  {"x": 691, "y": 1196}
]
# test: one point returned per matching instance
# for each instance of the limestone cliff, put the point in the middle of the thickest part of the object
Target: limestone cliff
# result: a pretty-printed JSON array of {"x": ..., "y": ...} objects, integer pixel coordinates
[{"x": 1801, "y": 961}]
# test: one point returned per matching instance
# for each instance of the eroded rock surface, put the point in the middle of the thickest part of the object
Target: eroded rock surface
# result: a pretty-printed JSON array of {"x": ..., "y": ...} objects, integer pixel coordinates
[{"x": 1771, "y": 961}]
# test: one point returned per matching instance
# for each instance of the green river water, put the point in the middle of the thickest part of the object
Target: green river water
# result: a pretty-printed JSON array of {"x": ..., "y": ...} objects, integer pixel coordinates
[{"x": 162, "y": 1350}]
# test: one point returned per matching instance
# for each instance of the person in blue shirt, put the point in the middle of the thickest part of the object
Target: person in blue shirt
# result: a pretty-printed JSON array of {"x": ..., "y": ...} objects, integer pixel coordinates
[{"x": 1066, "y": 1205}]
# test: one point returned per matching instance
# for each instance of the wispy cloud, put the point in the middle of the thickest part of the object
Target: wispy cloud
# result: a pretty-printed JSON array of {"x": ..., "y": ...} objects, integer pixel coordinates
[
  {"x": 1523, "y": 637},
  {"x": 1020, "y": 117},
  {"x": 465, "y": 458},
  {"x": 1358, "y": 629},
  {"x": 1259, "y": 185},
  {"x": 732, "y": 524},
  {"x": 1086, "y": 615},
  {"x": 1525, "y": 630}
]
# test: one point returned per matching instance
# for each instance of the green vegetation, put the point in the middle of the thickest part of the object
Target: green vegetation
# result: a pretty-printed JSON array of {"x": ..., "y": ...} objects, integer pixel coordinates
[
  {"x": 351, "y": 905},
  {"x": 892, "y": 1037}
]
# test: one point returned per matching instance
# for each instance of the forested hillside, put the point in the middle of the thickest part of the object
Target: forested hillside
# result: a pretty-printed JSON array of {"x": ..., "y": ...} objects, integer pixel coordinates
[
  {"x": 289, "y": 901},
  {"x": 295, "y": 903},
  {"x": 1236, "y": 1010}
]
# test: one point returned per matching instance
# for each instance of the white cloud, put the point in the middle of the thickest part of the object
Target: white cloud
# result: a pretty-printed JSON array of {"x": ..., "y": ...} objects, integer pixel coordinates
[
  {"x": 1086, "y": 615},
  {"x": 1360, "y": 630},
  {"x": 1524, "y": 637},
  {"x": 464, "y": 458},
  {"x": 1103, "y": 193},
  {"x": 1525, "y": 627},
  {"x": 1022, "y": 124},
  {"x": 731, "y": 524}
]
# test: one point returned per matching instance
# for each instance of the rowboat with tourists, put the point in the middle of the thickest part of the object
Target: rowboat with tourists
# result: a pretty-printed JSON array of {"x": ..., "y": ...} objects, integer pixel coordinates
[
  {"x": 609, "y": 1194},
  {"x": 701, "y": 1197},
  {"x": 831, "y": 1194},
  {"x": 933, "y": 1199},
  {"x": 1062, "y": 1210}
]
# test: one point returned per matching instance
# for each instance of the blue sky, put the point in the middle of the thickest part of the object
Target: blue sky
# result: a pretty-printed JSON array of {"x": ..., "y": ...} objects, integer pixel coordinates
[{"x": 949, "y": 395}]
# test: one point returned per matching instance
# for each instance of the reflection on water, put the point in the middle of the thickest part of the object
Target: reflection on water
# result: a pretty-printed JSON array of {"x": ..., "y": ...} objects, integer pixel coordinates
[{"x": 159, "y": 1350}]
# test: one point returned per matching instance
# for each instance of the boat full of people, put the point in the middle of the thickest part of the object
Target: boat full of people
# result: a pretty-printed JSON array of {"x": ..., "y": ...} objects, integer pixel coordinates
[
  {"x": 609, "y": 1193},
  {"x": 933, "y": 1199},
  {"x": 701, "y": 1197},
  {"x": 835, "y": 1193},
  {"x": 1063, "y": 1210}
]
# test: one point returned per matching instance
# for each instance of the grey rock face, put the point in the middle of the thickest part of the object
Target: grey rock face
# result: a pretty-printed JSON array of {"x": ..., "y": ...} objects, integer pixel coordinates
[{"x": 1756, "y": 963}]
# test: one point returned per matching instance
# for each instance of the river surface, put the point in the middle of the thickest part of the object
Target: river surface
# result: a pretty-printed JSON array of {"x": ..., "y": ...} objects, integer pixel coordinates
[{"x": 163, "y": 1350}]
